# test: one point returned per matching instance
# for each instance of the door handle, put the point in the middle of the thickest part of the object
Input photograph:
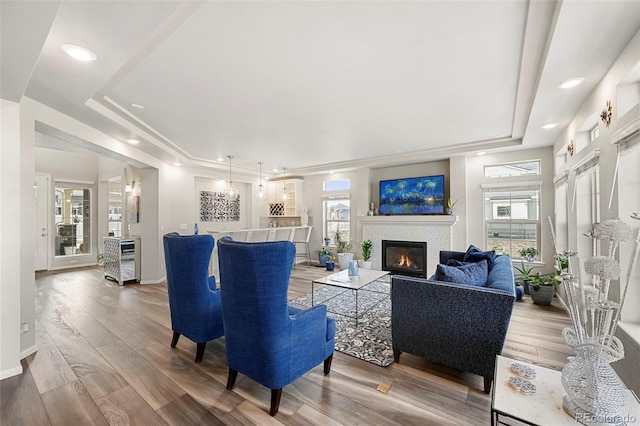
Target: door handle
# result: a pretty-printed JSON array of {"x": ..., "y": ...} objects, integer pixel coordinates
[{"x": 43, "y": 234}]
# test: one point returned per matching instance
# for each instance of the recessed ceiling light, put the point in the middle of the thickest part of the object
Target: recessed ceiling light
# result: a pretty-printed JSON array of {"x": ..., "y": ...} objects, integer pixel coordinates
[
  {"x": 220, "y": 159},
  {"x": 481, "y": 153},
  {"x": 177, "y": 163},
  {"x": 133, "y": 141},
  {"x": 79, "y": 53},
  {"x": 275, "y": 170},
  {"x": 135, "y": 105},
  {"x": 549, "y": 126},
  {"x": 572, "y": 82}
]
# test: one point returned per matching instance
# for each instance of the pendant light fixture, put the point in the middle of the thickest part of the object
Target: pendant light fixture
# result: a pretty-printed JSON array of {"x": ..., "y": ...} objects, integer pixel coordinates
[
  {"x": 284, "y": 184},
  {"x": 231, "y": 193},
  {"x": 261, "y": 194}
]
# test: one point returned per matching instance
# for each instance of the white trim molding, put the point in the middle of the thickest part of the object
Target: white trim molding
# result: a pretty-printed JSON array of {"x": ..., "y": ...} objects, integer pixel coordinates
[
  {"x": 561, "y": 178},
  {"x": 587, "y": 162},
  {"x": 435, "y": 220},
  {"x": 627, "y": 126}
]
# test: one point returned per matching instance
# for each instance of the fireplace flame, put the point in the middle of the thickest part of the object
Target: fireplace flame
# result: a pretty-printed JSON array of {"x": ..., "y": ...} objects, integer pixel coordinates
[{"x": 405, "y": 261}]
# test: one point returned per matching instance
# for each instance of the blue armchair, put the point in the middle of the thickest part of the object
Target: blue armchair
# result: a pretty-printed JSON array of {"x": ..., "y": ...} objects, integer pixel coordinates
[
  {"x": 194, "y": 301},
  {"x": 267, "y": 340}
]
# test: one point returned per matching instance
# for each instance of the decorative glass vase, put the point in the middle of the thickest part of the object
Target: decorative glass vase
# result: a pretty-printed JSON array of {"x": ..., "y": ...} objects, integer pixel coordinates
[
  {"x": 594, "y": 392},
  {"x": 304, "y": 219}
]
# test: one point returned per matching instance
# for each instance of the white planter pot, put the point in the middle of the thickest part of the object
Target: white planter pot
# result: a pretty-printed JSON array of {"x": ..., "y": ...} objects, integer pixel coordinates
[
  {"x": 344, "y": 259},
  {"x": 364, "y": 264}
]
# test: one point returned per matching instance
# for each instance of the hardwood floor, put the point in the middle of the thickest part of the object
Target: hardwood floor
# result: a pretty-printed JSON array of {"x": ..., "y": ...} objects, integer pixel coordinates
[{"x": 104, "y": 358}]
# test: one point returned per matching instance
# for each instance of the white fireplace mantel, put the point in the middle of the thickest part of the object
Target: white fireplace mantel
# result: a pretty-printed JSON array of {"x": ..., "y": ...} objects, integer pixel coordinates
[
  {"x": 434, "y": 220},
  {"x": 435, "y": 230}
]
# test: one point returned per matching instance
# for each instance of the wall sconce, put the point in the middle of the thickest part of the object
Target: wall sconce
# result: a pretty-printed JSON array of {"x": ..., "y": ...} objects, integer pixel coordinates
[{"x": 129, "y": 187}]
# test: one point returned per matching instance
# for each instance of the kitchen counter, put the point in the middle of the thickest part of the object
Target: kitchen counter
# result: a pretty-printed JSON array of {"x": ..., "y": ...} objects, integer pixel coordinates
[{"x": 281, "y": 233}]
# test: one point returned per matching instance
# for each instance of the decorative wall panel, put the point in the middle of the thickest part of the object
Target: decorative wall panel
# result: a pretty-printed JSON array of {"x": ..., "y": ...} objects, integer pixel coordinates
[{"x": 215, "y": 207}]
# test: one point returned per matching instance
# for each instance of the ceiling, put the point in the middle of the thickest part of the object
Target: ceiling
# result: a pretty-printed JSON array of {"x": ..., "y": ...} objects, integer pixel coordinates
[{"x": 313, "y": 86}]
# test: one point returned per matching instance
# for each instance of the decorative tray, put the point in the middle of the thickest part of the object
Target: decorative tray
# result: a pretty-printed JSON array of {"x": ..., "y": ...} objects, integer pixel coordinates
[
  {"x": 523, "y": 370},
  {"x": 522, "y": 385}
]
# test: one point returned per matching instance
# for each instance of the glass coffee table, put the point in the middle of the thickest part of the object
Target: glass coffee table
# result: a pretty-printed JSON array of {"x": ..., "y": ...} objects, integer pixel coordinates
[{"x": 354, "y": 283}]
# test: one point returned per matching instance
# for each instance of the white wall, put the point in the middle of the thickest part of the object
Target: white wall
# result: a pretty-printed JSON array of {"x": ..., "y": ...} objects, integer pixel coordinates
[
  {"x": 10, "y": 219},
  {"x": 27, "y": 237},
  {"x": 607, "y": 90}
]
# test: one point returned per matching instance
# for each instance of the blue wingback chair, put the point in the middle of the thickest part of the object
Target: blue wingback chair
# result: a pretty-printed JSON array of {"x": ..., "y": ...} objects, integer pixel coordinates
[
  {"x": 267, "y": 340},
  {"x": 194, "y": 301}
]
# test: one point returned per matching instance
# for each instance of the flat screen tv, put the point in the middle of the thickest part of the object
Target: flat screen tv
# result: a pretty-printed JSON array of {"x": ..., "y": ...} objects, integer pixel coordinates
[{"x": 417, "y": 195}]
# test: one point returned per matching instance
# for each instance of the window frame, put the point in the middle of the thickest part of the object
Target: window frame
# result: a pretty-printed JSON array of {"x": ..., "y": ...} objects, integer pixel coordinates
[
  {"x": 335, "y": 195},
  {"x": 512, "y": 187},
  {"x": 512, "y": 164},
  {"x": 85, "y": 213}
]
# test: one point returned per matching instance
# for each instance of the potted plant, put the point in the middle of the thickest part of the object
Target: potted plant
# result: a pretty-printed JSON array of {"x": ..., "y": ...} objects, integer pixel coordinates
[
  {"x": 525, "y": 276},
  {"x": 323, "y": 255},
  {"x": 331, "y": 262},
  {"x": 450, "y": 206},
  {"x": 344, "y": 253},
  {"x": 528, "y": 254},
  {"x": 543, "y": 287},
  {"x": 366, "y": 246}
]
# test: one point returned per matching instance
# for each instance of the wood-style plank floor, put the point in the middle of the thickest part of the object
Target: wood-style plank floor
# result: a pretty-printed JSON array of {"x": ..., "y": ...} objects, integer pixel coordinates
[{"x": 104, "y": 358}]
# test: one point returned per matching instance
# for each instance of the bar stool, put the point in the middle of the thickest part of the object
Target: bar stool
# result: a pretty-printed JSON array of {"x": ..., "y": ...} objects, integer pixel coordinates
[{"x": 301, "y": 238}]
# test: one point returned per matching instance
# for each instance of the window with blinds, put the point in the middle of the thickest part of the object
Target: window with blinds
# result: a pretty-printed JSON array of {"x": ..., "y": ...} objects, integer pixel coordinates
[
  {"x": 336, "y": 206},
  {"x": 512, "y": 217}
]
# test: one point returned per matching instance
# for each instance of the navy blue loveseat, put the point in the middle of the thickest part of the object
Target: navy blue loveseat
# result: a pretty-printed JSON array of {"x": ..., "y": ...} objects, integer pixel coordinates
[{"x": 460, "y": 326}]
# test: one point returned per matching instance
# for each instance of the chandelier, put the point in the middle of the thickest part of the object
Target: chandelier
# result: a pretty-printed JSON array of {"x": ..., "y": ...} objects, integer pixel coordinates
[
  {"x": 284, "y": 184},
  {"x": 261, "y": 194},
  {"x": 231, "y": 192}
]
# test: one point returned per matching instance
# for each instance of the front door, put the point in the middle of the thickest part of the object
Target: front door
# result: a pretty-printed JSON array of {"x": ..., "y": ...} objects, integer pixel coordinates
[{"x": 41, "y": 208}]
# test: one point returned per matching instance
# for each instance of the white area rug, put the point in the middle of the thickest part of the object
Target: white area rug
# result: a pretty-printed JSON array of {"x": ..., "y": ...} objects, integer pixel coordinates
[{"x": 370, "y": 340}]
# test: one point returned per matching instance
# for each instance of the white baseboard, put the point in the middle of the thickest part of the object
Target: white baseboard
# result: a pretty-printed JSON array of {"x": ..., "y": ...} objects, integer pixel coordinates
[
  {"x": 28, "y": 351},
  {"x": 158, "y": 281},
  {"x": 11, "y": 372}
]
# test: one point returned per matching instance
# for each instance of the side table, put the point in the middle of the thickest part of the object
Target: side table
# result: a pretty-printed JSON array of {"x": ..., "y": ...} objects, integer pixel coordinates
[{"x": 544, "y": 407}]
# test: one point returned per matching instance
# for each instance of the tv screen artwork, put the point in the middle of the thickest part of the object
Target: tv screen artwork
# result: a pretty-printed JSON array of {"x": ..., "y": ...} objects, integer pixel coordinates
[{"x": 419, "y": 195}]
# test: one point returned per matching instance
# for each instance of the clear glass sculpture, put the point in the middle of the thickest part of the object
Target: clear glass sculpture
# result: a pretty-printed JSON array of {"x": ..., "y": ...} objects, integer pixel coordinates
[{"x": 592, "y": 387}]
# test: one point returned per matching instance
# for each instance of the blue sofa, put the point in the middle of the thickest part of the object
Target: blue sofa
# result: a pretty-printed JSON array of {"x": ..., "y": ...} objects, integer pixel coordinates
[{"x": 460, "y": 326}]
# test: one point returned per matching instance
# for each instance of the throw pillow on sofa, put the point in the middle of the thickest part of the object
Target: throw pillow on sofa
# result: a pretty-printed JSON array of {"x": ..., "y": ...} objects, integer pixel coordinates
[
  {"x": 474, "y": 254},
  {"x": 474, "y": 274},
  {"x": 454, "y": 262}
]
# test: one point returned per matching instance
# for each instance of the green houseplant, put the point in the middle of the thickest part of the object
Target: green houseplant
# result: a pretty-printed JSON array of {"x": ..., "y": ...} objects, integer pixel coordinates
[
  {"x": 323, "y": 255},
  {"x": 525, "y": 276},
  {"x": 345, "y": 256},
  {"x": 543, "y": 287},
  {"x": 528, "y": 254},
  {"x": 366, "y": 246}
]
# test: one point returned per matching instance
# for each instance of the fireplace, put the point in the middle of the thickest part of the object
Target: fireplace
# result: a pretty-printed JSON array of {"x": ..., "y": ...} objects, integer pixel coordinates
[{"x": 405, "y": 257}]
